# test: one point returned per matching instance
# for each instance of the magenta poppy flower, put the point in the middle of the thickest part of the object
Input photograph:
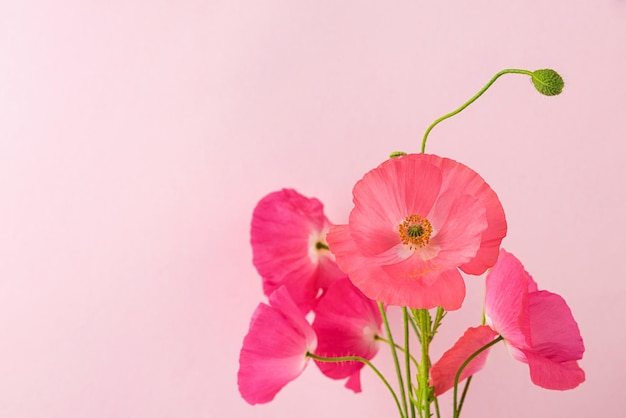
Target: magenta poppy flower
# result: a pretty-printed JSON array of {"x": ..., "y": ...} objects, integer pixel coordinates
[
  {"x": 288, "y": 237},
  {"x": 274, "y": 350},
  {"x": 537, "y": 326},
  {"x": 346, "y": 323},
  {"x": 416, "y": 220}
]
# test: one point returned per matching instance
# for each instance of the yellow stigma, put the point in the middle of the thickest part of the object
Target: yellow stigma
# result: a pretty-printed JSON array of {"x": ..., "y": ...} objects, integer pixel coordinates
[{"x": 415, "y": 231}]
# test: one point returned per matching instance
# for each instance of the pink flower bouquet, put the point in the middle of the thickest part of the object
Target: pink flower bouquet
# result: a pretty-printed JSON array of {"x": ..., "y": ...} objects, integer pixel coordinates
[{"x": 419, "y": 221}]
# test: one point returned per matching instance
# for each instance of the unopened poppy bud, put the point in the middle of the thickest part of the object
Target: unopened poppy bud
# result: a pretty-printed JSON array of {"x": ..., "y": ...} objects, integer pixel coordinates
[{"x": 548, "y": 82}]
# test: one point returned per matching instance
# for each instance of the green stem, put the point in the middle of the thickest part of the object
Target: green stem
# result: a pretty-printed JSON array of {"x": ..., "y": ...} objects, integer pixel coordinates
[
  {"x": 470, "y": 101},
  {"x": 465, "y": 389},
  {"x": 407, "y": 358},
  {"x": 367, "y": 362},
  {"x": 394, "y": 354},
  {"x": 437, "y": 408},
  {"x": 424, "y": 322},
  {"x": 465, "y": 363},
  {"x": 414, "y": 326}
]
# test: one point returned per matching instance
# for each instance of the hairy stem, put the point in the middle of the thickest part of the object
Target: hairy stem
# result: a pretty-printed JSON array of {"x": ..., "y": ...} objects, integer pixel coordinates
[{"x": 367, "y": 362}]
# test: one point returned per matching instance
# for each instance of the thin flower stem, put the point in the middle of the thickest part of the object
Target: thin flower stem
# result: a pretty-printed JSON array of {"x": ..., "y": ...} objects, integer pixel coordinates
[
  {"x": 407, "y": 359},
  {"x": 396, "y": 362},
  {"x": 437, "y": 408},
  {"x": 398, "y": 347},
  {"x": 457, "y": 411},
  {"x": 424, "y": 322},
  {"x": 465, "y": 389},
  {"x": 470, "y": 101},
  {"x": 415, "y": 329},
  {"x": 367, "y": 362}
]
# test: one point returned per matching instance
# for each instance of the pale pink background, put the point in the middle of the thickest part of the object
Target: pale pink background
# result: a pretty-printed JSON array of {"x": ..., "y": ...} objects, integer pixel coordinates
[{"x": 136, "y": 138}]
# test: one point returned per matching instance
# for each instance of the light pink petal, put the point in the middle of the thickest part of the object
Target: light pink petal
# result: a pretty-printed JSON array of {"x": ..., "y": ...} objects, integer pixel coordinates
[
  {"x": 350, "y": 259},
  {"x": 420, "y": 284},
  {"x": 554, "y": 331},
  {"x": 370, "y": 250},
  {"x": 415, "y": 283},
  {"x": 506, "y": 300},
  {"x": 385, "y": 196},
  {"x": 346, "y": 323},
  {"x": 364, "y": 272},
  {"x": 553, "y": 375},
  {"x": 274, "y": 350},
  {"x": 285, "y": 225},
  {"x": 458, "y": 222},
  {"x": 516, "y": 352},
  {"x": 444, "y": 371},
  {"x": 460, "y": 178}
]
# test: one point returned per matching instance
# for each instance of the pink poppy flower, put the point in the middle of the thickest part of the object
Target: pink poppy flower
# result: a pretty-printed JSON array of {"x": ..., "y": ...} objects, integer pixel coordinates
[
  {"x": 346, "y": 323},
  {"x": 288, "y": 237},
  {"x": 274, "y": 350},
  {"x": 537, "y": 326},
  {"x": 417, "y": 219}
]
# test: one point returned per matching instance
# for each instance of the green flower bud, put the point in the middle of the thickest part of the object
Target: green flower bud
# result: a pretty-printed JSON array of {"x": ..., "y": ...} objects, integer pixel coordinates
[
  {"x": 397, "y": 154},
  {"x": 548, "y": 82}
]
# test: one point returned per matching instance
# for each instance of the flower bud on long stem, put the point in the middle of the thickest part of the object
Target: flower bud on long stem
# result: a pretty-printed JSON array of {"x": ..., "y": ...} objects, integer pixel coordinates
[{"x": 547, "y": 82}]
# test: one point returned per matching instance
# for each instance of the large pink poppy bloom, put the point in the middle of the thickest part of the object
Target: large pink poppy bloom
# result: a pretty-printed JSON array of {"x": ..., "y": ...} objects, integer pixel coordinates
[
  {"x": 346, "y": 323},
  {"x": 417, "y": 219},
  {"x": 274, "y": 350},
  {"x": 288, "y": 237},
  {"x": 537, "y": 326}
]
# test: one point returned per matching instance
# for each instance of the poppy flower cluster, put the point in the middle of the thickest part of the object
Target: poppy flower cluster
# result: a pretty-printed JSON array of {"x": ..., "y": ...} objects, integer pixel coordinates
[
  {"x": 420, "y": 222},
  {"x": 418, "y": 219},
  {"x": 300, "y": 276}
]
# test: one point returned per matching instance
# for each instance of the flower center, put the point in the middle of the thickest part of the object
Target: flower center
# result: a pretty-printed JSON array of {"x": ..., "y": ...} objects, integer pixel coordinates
[
  {"x": 319, "y": 245},
  {"x": 415, "y": 231}
]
